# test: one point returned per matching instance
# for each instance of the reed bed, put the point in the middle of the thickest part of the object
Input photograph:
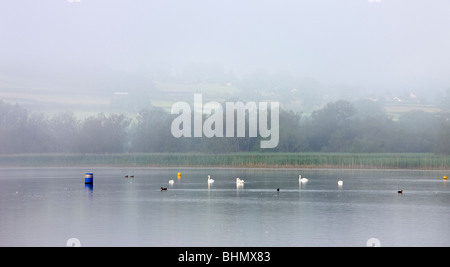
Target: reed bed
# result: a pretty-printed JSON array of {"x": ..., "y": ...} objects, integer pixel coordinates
[{"x": 235, "y": 160}]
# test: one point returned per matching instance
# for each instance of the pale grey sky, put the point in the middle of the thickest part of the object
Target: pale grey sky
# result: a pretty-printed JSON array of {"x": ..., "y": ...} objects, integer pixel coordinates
[{"x": 373, "y": 45}]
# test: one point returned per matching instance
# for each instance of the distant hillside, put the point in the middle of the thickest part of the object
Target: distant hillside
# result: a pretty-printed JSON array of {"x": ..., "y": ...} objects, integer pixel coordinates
[{"x": 299, "y": 95}]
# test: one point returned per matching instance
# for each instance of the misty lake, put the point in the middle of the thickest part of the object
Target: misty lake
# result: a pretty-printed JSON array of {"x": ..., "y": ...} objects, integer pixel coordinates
[{"x": 48, "y": 206}]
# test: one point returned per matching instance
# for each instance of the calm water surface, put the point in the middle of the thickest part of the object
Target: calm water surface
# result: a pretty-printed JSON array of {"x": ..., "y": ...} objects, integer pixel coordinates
[{"x": 48, "y": 206}]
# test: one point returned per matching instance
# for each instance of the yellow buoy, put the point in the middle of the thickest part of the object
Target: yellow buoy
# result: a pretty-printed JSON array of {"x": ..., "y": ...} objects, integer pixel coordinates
[
  {"x": 179, "y": 175},
  {"x": 445, "y": 177}
]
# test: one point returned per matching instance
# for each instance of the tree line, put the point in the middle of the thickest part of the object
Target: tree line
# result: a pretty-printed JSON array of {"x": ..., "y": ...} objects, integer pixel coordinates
[{"x": 340, "y": 126}]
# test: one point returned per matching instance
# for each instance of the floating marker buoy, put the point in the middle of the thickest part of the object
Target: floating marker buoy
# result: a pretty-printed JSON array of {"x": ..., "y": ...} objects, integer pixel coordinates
[
  {"x": 179, "y": 175},
  {"x": 89, "y": 178},
  {"x": 445, "y": 177}
]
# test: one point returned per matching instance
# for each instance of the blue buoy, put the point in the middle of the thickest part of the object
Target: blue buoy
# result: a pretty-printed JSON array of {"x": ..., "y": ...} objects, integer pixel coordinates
[{"x": 89, "y": 178}]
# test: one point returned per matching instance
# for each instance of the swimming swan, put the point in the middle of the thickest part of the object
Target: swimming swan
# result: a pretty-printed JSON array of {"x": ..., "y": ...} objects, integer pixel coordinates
[
  {"x": 302, "y": 180},
  {"x": 210, "y": 181},
  {"x": 239, "y": 181}
]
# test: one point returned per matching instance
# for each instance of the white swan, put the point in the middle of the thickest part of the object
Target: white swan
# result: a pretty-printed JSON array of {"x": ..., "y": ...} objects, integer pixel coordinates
[
  {"x": 210, "y": 181},
  {"x": 239, "y": 181},
  {"x": 171, "y": 182},
  {"x": 340, "y": 183},
  {"x": 302, "y": 180}
]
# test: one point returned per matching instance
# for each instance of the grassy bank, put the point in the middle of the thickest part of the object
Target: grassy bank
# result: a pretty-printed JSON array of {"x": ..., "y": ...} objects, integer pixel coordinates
[{"x": 253, "y": 160}]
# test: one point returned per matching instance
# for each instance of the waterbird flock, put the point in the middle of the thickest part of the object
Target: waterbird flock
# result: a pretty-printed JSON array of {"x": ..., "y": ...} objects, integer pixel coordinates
[{"x": 240, "y": 182}]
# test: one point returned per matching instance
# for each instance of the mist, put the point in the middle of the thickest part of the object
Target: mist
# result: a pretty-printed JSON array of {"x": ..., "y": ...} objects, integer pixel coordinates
[
  {"x": 122, "y": 64},
  {"x": 88, "y": 46}
]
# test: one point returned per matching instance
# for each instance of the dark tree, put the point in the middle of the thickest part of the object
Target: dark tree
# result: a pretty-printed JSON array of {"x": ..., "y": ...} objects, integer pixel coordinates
[
  {"x": 332, "y": 123},
  {"x": 103, "y": 134}
]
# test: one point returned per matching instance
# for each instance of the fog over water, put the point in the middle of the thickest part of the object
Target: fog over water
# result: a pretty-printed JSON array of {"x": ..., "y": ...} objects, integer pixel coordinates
[{"x": 367, "y": 80}]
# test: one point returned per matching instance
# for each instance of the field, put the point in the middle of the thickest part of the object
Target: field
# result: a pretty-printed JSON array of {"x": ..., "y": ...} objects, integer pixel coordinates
[
  {"x": 396, "y": 110},
  {"x": 238, "y": 160}
]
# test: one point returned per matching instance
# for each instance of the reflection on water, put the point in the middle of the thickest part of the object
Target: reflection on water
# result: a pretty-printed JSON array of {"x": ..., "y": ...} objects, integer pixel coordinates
[
  {"x": 89, "y": 187},
  {"x": 46, "y": 207}
]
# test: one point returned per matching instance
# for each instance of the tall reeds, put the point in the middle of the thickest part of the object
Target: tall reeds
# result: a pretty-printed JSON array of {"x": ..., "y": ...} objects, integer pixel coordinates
[{"x": 253, "y": 160}]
